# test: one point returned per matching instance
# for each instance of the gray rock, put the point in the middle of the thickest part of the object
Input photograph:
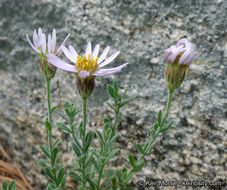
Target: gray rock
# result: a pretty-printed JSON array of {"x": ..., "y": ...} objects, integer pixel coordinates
[{"x": 194, "y": 148}]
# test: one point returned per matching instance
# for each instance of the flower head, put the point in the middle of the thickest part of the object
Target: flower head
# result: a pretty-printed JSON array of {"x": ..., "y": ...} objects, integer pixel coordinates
[
  {"x": 178, "y": 59},
  {"x": 43, "y": 47},
  {"x": 86, "y": 67}
]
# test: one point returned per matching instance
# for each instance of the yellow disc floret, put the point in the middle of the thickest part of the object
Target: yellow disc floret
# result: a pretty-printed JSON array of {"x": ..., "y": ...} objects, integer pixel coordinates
[{"x": 86, "y": 64}]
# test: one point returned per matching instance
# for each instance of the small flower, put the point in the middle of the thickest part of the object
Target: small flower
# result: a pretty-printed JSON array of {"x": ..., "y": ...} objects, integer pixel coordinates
[
  {"x": 178, "y": 59},
  {"x": 43, "y": 47},
  {"x": 87, "y": 67}
]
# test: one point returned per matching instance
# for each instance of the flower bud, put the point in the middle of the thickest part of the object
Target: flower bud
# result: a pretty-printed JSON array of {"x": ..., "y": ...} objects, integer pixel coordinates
[
  {"x": 85, "y": 86},
  {"x": 48, "y": 71},
  {"x": 178, "y": 58}
]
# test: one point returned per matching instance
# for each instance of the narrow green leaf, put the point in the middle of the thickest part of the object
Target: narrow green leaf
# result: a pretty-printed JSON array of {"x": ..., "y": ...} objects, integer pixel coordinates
[
  {"x": 43, "y": 163},
  {"x": 138, "y": 167},
  {"x": 140, "y": 148},
  {"x": 92, "y": 183},
  {"x": 106, "y": 120},
  {"x": 128, "y": 100},
  {"x": 94, "y": 163},
  {"x": 167, "y": 126},
  {"x": 111, "y": 154},
  {"x": 63, "y": 181},
  {"x": 45, "y": 150},
  {"x": 49, "y": 173},
  {"x": 56, "y": 142},
  {"x": 156, "y": 126},
  {"x": 88, "y": 139},
  {"x": 76, "y": 149},
  {"x": 132, "y": 160},
  {"x": 53, "y": 108},
  {"x": 111, "y": 91},
  {"x": 160, "y": 118},
  {"x": 54, "y": 155},
  {"x": 60, "y": 175},
  {"x": 48, "y": 125},
  {"x": 12, "y": 185},
  {"x": 107, "y": 180},
  {"x": 114, "y": 182},
  {"x": 77, "y": 142},
  {"x": 63, "y": 127},
  {"x": 115, "y": 85},
  {"x": 152, "y": 133},
  {"x": 60, "y": 114},
  {"x": 75, "y": 176},
  {"x": 4, "y": 185},
  {"x": 100, "y": 137},
  {"x": 111, "y": 106}
]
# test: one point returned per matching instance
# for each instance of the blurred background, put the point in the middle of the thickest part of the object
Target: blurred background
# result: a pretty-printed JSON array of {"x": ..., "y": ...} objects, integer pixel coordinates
[{"x": 194, "y": 148}]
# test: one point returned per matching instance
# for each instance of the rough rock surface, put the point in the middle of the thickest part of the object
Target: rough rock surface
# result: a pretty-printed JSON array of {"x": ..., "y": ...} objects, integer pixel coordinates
[{"x": 196, "y": 146}]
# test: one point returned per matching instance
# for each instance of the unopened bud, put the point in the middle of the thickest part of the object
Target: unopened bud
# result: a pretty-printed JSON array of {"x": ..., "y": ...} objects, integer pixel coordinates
[{"x": 178, "y": 58}]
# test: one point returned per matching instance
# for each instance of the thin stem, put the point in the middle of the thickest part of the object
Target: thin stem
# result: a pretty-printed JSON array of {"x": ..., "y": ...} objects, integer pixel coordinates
[
  {"x": 49, "y": 133},
  {"x": 158, "y": 131},
  {"x": 117, "y": 114},
  {"x": 83, "y": 138},
  {"x": 84, "y": 118},
  {"x": 167, "y": 106}
]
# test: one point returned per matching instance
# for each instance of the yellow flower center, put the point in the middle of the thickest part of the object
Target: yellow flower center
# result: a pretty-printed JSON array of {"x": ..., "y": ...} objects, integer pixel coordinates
[{"x": 86, "y": 64}]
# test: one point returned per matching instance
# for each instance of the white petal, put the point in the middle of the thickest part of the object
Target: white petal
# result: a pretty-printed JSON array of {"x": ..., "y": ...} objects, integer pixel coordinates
[
  {"x": 49, "y": 44},
  {"x": 33, "y": 47},
  {"x": 102, "y": 72},
  {"x": 103, "y": 55},
  {"x": 53, "y": 40},
  {"x": 88, "y": 49},
  {"x": 40, "y": 32},
  {"x": 73, "y": 52},
  {"x": 43, "y": 42},
  {"x": 95, "y": 52},
  {"x": 108, "y": 60},
  {"x": 35, "y": 38},
  {"x": 68, "y": 54},
  {"x": 59, "y": 51},
  {"x": 83, "y": 74},
  {"x": 55, "y": 61}
]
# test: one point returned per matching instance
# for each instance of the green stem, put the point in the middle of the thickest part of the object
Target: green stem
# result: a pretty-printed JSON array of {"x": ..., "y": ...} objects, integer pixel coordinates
[
  {"x": 84, "y": 118},
  {"x": 167, "y": 107},
  {"x": 83, "y": 138},
  {"x": 49, "y": 133},
  {"x": 117, "y": 114},
  {"x": 158, "y": 131}
]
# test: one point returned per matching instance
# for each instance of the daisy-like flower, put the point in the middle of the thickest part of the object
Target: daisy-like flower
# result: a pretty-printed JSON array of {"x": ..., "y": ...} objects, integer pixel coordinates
[
  {"x": 87, "y": 67},
  {"x": 178, "y": 58},
  {"x": 43, "y": 47}
]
